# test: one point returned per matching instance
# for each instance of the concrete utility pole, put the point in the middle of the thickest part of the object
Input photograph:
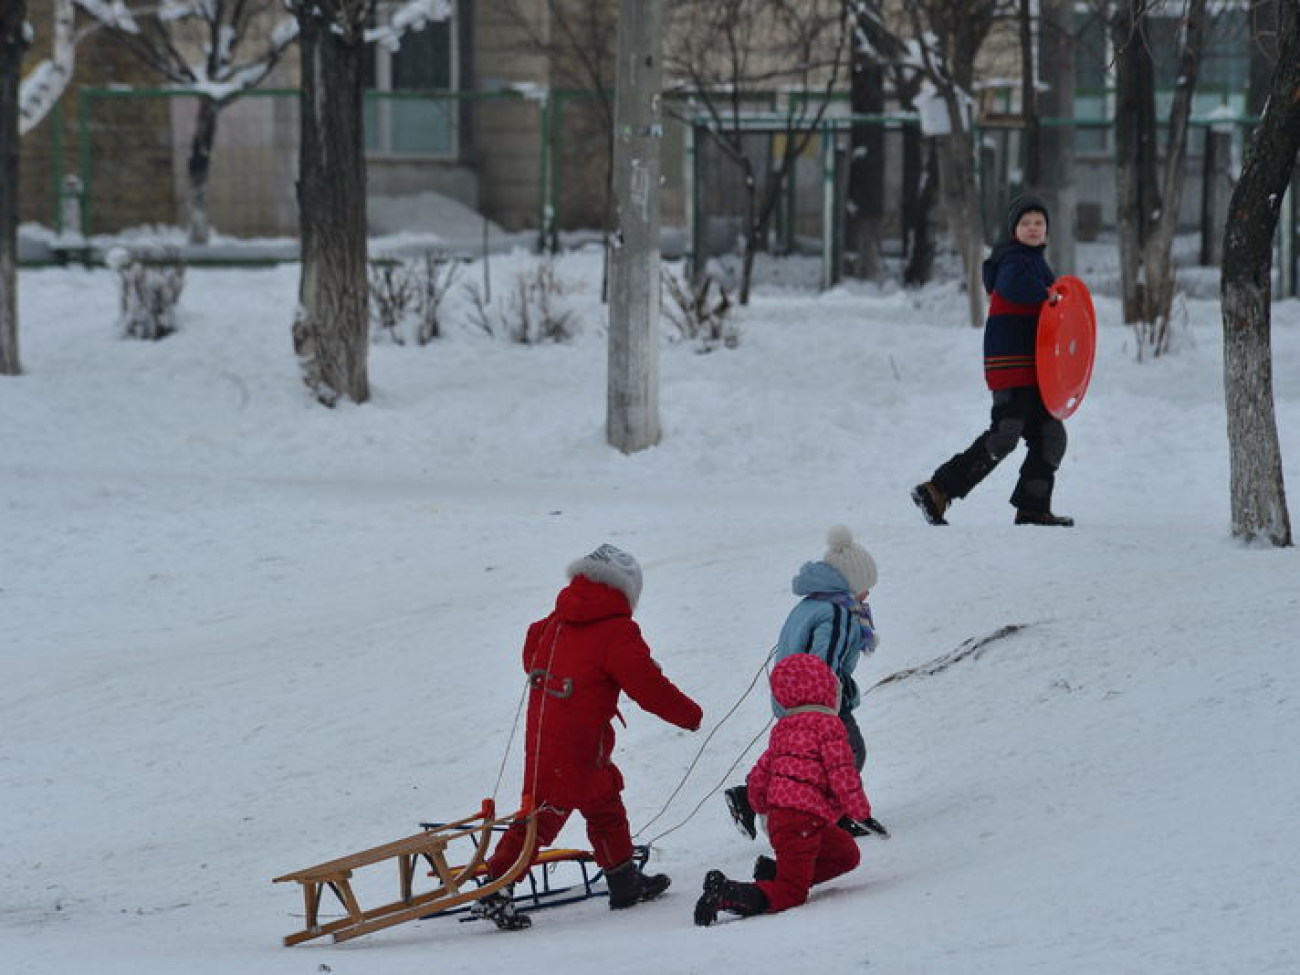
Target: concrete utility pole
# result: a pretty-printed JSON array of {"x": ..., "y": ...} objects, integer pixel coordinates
[{"x": 632, "y": 421}]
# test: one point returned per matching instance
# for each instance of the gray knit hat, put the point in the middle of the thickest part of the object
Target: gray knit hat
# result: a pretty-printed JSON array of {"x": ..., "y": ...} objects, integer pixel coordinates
[
  {"x": 852, "y": 561},
  {"x": 613, "y": 567}
]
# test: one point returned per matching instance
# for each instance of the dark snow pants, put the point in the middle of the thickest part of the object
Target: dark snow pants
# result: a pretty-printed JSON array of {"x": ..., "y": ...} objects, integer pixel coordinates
[
  {"x": 607, "y": 830},
  {"x": 856, "y": 742},
  {"x": 809, "y": 851},
  {"x": 1017, "y": 414}
]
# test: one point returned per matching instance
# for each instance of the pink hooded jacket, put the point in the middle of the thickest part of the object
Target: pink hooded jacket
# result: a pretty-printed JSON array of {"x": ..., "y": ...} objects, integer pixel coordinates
[{"x": 808, "y": 764}]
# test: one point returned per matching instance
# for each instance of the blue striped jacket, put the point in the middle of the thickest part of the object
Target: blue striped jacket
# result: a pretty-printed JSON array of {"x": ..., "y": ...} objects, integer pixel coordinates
[{"x": 820, "y": 627}]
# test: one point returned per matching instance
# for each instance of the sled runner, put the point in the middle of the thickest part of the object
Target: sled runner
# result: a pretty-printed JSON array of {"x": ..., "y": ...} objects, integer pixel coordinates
[
  {"x": 1067, "y": 342},
  {"x": 557, "y": 876},
  {"x": 455, "y": 885}
]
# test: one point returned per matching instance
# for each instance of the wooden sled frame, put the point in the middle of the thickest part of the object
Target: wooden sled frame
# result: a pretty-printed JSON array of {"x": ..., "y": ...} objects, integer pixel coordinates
[{"x": 456, "y": 885}]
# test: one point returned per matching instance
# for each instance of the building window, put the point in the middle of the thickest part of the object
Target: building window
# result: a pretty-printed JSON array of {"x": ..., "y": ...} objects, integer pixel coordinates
[{"x": 404, "y": 114}]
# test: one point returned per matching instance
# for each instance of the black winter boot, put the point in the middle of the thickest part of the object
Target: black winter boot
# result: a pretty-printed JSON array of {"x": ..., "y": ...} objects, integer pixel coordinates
[
  {"x": 741, "y": 811},
  {"x": 629, "y": 886},
  {"x": 499, "y": 908},
  {"x": 1024, "y": 517},
  {"x": 721, "y": 894},
  {"x": 764, "y": 868}
]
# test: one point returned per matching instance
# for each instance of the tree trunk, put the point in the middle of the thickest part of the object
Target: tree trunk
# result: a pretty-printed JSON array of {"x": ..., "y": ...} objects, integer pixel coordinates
[
  {"x": 1056, "y": 65},
  {"x": 330, "y": 332},
  {"x": 1157, "y": 257},
  {"x": 1136, "y": 192},
  {"x": 866, "y": 194},
  {"x": 200, "y": 164},
  {"x": 960, "y": 192},
  {"x": 753, "y": 240},
  {"x": 633, "y": 385},
  {"x": 1029, "y": 96},
  {"x": 1258, "y": 494},
  {"x": 13, "y": 42},
  {"x": 918, "y": 205}
]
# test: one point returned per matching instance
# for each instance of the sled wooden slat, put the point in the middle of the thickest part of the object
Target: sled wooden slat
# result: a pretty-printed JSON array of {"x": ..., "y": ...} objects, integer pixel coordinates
[{"x": 456, "y": 885}]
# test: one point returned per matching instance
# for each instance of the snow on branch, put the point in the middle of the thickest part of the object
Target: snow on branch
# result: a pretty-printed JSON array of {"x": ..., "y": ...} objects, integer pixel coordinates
[
  {"x": 111, "y": 13},
  {"x": 411, "y": 15},
  {"x": 43, "y": 87},
  {"x": 212, "y": 68}
]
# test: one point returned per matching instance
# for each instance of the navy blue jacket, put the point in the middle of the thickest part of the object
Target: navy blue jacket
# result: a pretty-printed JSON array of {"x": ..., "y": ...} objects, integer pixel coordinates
[{"x": 1017, "y": 278}]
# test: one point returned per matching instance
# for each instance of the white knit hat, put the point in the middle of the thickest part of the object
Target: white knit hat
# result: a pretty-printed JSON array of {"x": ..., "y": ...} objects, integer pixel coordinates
[
  {"x": 853, "y": 561},
  {"x": 613, "y": 567}
]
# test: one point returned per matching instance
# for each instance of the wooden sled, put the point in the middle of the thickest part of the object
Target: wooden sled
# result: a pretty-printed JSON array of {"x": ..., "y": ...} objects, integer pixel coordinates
[{"x": 456, "y": 885}]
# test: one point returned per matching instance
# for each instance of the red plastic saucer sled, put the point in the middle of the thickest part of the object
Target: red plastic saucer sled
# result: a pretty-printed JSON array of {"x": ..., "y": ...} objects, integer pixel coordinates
[{"x": 1067, "y": 343}]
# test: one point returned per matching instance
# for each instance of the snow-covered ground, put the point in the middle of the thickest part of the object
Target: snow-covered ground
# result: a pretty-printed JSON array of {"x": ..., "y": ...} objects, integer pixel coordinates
[{"x": 244, "y": 634}]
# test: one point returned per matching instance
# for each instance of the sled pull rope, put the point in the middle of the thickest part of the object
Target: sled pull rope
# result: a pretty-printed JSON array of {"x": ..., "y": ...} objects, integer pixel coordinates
[
  {"x": 501, "y": 769},
  {"x": 971, "y": 647},
  {"x": 705, "y": 744}
]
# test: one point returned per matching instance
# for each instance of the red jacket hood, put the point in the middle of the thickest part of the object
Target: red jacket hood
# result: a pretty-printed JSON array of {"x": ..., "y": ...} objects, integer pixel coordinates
[
  {"x": 802, "y": 679},
  {"x": 584, "y": 601}
]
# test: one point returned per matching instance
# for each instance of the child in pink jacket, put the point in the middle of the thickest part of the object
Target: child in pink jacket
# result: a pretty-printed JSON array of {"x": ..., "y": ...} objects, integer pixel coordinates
[{"x": 804, "y": 783}]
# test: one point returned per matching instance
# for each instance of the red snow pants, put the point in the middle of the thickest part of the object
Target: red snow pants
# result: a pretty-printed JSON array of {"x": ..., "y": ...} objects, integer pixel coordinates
[
  {"x": 607, "y": 830},
  {"x": 809, "y": 851}
]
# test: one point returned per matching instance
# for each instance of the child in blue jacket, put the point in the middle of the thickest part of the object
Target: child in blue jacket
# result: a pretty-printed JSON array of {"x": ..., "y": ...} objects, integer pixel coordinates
[
  {"x": 1017, "y": 278},
  {"x": 832, "y": 621}
]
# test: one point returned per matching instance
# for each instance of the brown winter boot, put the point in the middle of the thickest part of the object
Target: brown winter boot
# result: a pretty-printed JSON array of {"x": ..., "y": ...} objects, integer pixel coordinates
[
  {"x": 629, "y": 886},
  {"x": 932, "y": 502},
  {"x": 721, "y": 894}
]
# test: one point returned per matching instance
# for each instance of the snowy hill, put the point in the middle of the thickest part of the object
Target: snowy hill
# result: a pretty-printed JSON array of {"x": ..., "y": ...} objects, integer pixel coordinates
[{"x": 244, "y": 634}]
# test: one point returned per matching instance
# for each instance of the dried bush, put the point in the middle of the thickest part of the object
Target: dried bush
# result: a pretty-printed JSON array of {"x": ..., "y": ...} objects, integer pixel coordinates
[
  {"x": 529, "y": 313},
  {"x": 434, "y": 280},
  {"x": 700, "y": 311},
  {"x": 393, "y": 293}
]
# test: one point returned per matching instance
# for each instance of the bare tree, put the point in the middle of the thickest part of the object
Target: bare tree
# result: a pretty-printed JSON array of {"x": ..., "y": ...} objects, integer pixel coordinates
[
  {"x": 1056, "y": 61},
  {"x": 200, "y": 44},
  {"x": 949, "y": 36},
  {"x": 1259, "y": 509},
  {"x": 728, "y": 52},
  {"x": 577, "y": 39},
  {"x": 13, "y": 44},
  {"x": 330, "y": 334},
  {"x": 1149, "y": 187},
  {"x": 1027, "y": 21},
  {"x": 945, "y": 37},
  {"x": 876, "y": 59},
  {"x": 329, "y": 331}
]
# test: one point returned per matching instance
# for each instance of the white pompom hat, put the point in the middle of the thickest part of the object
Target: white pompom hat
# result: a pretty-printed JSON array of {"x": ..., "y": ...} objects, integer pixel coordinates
[
  {"x": 852, "y": 561},
  {"x": 613, "y": 567}
]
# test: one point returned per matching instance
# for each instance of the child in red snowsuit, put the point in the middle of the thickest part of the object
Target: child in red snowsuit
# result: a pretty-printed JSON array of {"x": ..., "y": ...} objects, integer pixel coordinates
[
  {"x": 578, "y": 661},
  {"x": 804, "y": 783}
]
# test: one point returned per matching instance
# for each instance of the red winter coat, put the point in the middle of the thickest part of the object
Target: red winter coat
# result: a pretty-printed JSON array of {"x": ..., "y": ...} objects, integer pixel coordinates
[
  {"x": 808, "y": 764},
  {"x": 578, "y": 660}
]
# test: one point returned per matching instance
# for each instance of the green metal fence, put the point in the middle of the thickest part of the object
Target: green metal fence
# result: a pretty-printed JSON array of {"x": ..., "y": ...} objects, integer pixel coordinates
[{"x": 529, "y": 162}]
